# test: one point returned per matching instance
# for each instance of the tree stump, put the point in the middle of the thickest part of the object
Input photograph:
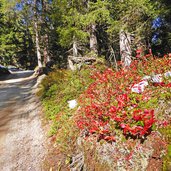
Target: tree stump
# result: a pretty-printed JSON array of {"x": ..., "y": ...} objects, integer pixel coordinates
[{"x": 76, "y": 62}]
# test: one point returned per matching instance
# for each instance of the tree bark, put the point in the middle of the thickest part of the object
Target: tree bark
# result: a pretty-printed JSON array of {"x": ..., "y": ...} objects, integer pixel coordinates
[
  {"x": 125, "y": 48},
  {"x": 93, "y": 39},
  {"x": 45, "y": 37},
  {"x": 75, "y": 49},
  {"x": 39, "y": 58},
  {"x": 46, "y": 49},
  {"x": 75, "y": 54}
]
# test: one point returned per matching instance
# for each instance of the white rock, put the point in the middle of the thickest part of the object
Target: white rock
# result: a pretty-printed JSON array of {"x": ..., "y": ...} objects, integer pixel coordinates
[
  {"x": 156, "y": 78},
  {"x": 167, "y": 74},
  {"x": 139, "y": 88},
  {"x": 72, "y": 104}
]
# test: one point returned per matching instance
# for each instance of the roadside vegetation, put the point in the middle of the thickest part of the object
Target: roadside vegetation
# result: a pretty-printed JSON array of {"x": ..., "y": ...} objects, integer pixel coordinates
[
  {"x": 122, "y": 118},
  {"x": 109, "y": 116}
]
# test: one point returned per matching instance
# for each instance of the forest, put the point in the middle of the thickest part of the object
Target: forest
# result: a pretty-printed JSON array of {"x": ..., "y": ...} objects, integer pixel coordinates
[
  {"x": 106, "y": 87},
  {"x": 33, "y": 32}
]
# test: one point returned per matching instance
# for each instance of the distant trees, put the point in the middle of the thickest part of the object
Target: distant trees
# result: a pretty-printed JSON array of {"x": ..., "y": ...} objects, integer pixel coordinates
[
  {"x": 16, "y": 43},
  {"x": 132, "y": 21},
  {"x": 42, "y": 30},
  {"x": 71, "y": 28}
]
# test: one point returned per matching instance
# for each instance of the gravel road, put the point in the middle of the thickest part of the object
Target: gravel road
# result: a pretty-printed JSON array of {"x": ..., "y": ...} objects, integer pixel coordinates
[{"x": 22, "y": 139}]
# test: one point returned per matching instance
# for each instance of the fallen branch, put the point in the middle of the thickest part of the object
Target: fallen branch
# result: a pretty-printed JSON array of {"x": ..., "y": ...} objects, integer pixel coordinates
[{"x": 77, "y": 162}]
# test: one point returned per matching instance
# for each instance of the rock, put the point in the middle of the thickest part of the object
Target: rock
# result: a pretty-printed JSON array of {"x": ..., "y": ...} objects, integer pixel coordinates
[
  {"x": 156, "y": 78},
  {"x": 139, "y": 88},
  {"x": 72, "y": 104}
]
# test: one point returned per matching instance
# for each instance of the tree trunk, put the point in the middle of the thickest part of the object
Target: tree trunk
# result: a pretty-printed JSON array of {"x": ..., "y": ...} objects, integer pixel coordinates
[
  {"x": 75, "y": 49},
  {"x": 46, "y": 49},
  {"x": 38, "y": 46},
  {"x": 45, "y": 32},
  {"x": 40, "y": 65},
  {"x": 125, "y": 48},
  {"x": 75, "y": 54},
  {"x": 93, "y": 39}
]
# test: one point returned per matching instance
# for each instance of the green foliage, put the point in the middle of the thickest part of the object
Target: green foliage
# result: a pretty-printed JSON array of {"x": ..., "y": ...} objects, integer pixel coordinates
[
  {"x": 16, "y": 45},
  {"x": 71, "y": 27},
  {"x": 59, "y": 87},
  {"x": 65, "y": 22},
  {"x": 98, "y": 12},
  {"x": 134, "y": 16},
  {"x": 66, "y": 35}
]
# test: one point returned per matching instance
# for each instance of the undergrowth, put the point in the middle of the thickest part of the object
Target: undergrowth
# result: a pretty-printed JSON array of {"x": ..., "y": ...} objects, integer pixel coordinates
[
  {"x": 107, "y": 107},
  {"x": 166, "y": 132},
  {"x": 109, "y": 104},
  {"x": 57, "y": 89}
]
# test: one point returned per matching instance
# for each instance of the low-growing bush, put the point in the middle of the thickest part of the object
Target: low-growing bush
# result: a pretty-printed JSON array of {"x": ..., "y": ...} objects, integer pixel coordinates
[
  {"x": 57, "y": 88},
  {"x": 109, "y": 104},
  {"x": 108, "y": 110}
]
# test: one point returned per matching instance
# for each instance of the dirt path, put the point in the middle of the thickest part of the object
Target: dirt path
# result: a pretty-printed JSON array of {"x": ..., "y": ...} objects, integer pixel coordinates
[{"x": 22, "y": 140}]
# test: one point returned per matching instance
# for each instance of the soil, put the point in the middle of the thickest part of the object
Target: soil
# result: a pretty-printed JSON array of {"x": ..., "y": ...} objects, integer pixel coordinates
[{"x": 22, "y": 138}]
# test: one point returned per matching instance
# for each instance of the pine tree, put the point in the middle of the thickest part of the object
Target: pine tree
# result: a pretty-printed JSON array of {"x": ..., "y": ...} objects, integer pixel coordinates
[
  {"x": 97, "y": 14},
  {"x": 132, "y": 19},
  {"x": 16, "y": 45},
  {"x": 71, "y": 30}
]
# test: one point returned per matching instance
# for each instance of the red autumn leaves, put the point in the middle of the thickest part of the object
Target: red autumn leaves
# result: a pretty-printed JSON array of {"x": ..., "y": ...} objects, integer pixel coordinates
[{"x": 109, "y": 105}]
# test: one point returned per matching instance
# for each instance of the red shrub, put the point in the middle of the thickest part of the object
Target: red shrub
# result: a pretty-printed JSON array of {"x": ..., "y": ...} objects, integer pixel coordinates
[{"x": 109, "y": 101}]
